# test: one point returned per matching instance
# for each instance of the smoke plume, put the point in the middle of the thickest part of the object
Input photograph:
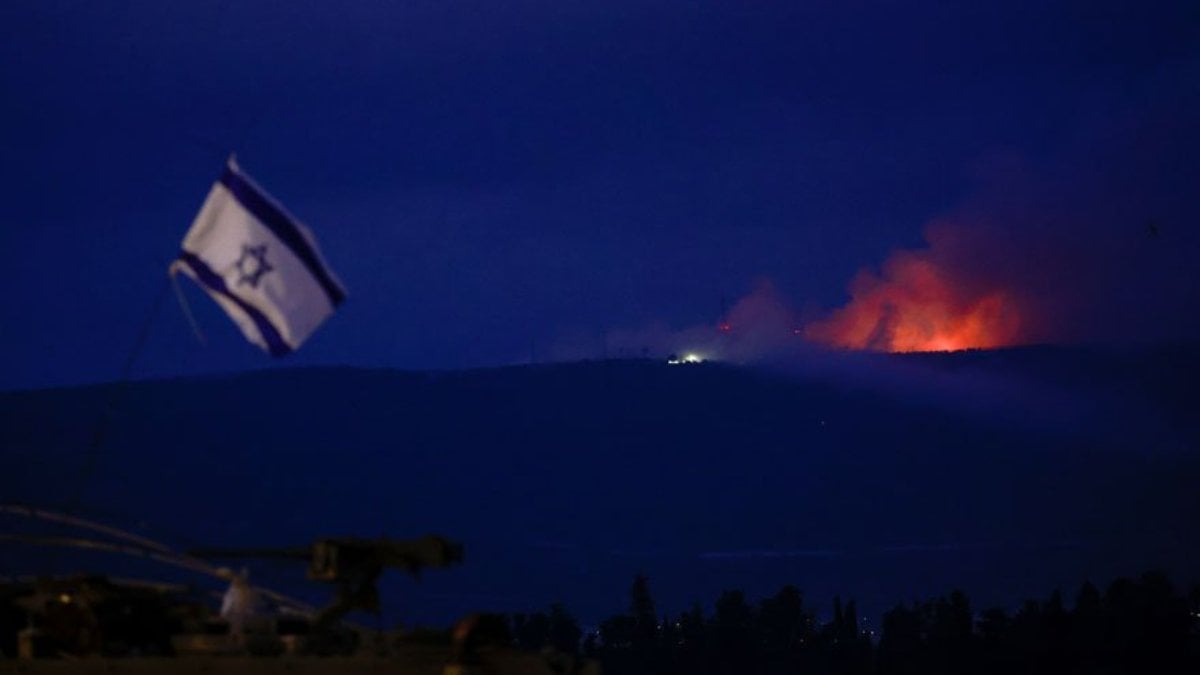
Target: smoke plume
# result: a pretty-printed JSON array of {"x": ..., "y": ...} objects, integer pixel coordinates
[
  {"x": 918, "y": 304},
  {"x": 1097, "y": 243}
]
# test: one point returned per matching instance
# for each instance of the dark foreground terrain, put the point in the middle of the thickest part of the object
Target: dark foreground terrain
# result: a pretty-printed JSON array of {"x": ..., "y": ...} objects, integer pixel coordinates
[{"x": 884, "y": 479}]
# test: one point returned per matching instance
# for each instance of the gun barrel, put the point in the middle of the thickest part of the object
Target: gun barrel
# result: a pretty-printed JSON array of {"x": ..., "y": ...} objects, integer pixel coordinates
[{"x": 242, "y": 553}]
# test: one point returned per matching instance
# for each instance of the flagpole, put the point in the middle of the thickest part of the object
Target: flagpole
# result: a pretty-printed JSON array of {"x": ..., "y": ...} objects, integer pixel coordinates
[{"x": 100, "y": 430}]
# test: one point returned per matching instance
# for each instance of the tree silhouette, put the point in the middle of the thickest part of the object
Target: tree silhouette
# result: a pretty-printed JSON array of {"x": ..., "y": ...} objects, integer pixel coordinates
[
  {"x": 645, "y": 620},
  {"x": 1135, "y": 626},
  {"x": 564, "y": 632},
  {"x": 732, "y": 634},
  {"x": 994, "y": 631},
  {"x": 784, "y": 629},
  {"x": 531, "y": 632},
  {"x": 901, "y": 646}
]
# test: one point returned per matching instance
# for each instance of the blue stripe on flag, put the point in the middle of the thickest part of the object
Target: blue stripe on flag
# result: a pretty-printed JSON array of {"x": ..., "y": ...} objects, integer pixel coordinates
[
  {"x": 213, "y": 281},
  {"x": 265, "y": 209}
]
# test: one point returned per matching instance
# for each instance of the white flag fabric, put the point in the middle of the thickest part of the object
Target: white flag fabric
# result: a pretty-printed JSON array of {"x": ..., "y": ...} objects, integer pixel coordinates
[{"x": 259, "y": 263}]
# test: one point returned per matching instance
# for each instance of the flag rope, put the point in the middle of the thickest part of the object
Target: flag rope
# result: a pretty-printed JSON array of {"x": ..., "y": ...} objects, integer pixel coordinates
[{"x": 187, "y": 309}]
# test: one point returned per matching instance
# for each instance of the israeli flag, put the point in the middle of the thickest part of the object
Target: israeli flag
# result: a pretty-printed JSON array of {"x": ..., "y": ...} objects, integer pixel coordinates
[{"x": 259, "y": 263}]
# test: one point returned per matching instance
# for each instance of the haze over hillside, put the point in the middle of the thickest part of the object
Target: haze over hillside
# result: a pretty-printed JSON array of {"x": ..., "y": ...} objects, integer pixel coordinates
[{"x": 882, "y": 477}]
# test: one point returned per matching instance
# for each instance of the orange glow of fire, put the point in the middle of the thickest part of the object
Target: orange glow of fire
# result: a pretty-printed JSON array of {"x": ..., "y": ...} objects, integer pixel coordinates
[{"x": 916, "y": 307}]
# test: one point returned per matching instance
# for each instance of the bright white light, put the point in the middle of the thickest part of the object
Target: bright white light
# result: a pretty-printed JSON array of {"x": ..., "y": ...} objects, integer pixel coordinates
[{"x": 692, "y": 358}]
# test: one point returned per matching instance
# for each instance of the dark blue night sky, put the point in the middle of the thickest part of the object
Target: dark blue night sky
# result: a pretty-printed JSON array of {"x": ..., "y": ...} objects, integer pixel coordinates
[{"x": 501, "y": 181}]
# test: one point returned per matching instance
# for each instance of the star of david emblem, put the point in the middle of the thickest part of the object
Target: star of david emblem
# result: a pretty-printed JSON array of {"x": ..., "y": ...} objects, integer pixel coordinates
[{"x": 252, "y": 264}]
